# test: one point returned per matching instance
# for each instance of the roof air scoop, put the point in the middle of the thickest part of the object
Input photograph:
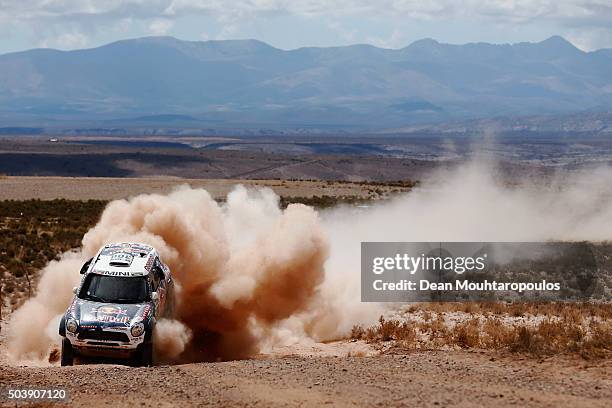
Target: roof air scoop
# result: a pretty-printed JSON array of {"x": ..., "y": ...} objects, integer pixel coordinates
[{"x": 121, "y": 259}]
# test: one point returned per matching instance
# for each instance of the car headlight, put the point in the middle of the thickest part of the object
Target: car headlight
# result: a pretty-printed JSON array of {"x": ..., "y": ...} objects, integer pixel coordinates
[
  {"x": 72, "y": 326},
  {"x": 137, "y": 330}
]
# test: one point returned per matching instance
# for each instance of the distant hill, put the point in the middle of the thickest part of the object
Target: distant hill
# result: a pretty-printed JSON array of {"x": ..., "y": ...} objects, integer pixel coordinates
[{"x": 249, "y": 83}]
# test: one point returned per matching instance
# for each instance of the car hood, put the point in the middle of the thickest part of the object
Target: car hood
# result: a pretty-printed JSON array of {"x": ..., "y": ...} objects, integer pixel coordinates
[{"x": 96, "y": 314}]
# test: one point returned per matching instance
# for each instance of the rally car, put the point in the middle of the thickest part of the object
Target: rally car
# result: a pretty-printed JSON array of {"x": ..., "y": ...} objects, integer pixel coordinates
[{"x": 125, "y": 288}]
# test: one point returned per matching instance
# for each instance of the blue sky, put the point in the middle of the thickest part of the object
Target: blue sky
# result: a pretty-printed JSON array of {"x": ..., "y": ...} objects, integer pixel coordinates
[{"x": 70, "y": 24}]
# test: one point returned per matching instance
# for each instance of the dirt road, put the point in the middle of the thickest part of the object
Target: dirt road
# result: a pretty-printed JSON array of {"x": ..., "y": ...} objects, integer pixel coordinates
[{"x": 436, "y": 378}]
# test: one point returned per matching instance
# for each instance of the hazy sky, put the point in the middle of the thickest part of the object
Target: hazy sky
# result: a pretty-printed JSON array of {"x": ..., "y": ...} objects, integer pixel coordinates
[{"x": 287, "y": 24}]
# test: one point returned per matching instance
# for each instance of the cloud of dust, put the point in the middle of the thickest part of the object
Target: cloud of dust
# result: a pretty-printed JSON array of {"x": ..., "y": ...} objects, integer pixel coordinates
[
  {"x": 29, "y": 338},
  {"x": 242, "y": 267},
  {"x": 471, "y": 203},
  {"x": 254, "y": 276},
  {"x": 171, "y": 338}
]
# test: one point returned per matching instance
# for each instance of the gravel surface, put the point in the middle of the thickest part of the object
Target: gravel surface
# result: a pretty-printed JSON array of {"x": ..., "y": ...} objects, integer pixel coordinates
[{"x": 426, "y": 378}]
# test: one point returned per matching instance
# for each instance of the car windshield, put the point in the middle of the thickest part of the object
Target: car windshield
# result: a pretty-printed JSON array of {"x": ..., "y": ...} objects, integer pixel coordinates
[{"x": 115, "y": 289}]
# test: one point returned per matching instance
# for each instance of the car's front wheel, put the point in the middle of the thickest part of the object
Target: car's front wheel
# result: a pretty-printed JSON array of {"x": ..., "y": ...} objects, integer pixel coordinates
[
  {"x": 144, "y": 356},
  {"x": 67, "y": 353}
]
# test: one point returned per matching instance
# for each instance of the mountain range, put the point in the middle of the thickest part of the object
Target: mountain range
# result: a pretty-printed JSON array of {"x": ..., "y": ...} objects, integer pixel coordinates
[{"x": 250, "y": 83}]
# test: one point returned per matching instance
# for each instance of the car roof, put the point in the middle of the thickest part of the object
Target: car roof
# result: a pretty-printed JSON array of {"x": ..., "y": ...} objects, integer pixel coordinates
[{"x": 126, "y": 259}]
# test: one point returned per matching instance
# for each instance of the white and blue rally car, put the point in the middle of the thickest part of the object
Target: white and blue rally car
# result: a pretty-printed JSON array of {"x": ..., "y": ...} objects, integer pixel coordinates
[{"x": 124, "y": 290}]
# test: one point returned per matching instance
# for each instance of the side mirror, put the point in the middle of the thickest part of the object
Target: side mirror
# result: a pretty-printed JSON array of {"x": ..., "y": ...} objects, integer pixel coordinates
[
  {"x": 75, "y": 290},
  {"x": 85, "y": 266},
  {"x": 154, "y": 296}
]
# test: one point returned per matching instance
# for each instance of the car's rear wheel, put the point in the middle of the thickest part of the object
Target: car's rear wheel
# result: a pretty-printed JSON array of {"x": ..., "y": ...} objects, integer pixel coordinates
[{"x": 67, "y": 353}]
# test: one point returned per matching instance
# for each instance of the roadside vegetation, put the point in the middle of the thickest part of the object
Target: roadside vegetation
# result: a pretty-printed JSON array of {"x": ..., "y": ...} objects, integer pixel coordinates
[
  {"x": 324, "y": 201},
  {"x": 536, "y": 329},
  {"x": 34, "y": 232},
  {"x": 375, "y": 190}
]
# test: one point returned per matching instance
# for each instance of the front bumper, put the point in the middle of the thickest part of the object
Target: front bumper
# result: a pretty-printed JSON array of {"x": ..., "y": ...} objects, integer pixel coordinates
[{"x": 100, "y": 341}]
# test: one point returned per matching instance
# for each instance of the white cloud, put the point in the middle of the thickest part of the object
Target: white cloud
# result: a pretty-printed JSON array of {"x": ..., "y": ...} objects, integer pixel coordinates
[
  {"x": 591, "y": 39},
  {"x": 395, "y": 40},
  {"x": 66, "y": 41},
  {"x": 347, "y": 34},
  {"x": 228, "y": 32},
  {"x": 160, "y": 26},
  {"x": 598, "y": 12},
  {"x": 55, "y": 21}
]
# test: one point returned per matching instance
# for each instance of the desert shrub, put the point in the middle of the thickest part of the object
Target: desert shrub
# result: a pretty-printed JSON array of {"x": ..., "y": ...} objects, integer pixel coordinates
[
  {"x": 357, "y": 332},
  {"x": 522, "y": 339},
  {"x": 583, "y": 329},
  {"x": 573, "y": 311},
  {"x": 435, "y": 328},
  {"x": 406, "y": 334},
  {"x": 33, "y": 232},
  {"x": 323, "y": 201},
  {"x": 548, "y": 337},
  {"x": 599, "y": 343},
  {"x": 469, "y": 307},
  {"x": 18, "y": 271},
  {"x": 387, "y": 330},
  {"x": 495, "y": 334},
  {"x": 467, "y": 334},
  {"x": 517, "y": 310}
]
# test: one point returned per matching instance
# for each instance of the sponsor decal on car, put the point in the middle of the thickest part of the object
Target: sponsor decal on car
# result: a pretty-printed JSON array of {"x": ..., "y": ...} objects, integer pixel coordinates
[
  {"x": 142, "y": 248},
  {"x": 111, "y": 314},
  {"x": 145, "y": 312},
  {"x": 126, "y": 247},
  {"x": 73, "y": 306},
  {"x": 116, "y": 273},
  {"x": 149, "y": 263},
  {"x": 125, "y": 258}
]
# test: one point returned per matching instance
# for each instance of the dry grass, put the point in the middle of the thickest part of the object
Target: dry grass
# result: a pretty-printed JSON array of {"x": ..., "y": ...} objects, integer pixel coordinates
[
  {"x": 466, "y": 334},
  {"x": 108, "y": 188},
  {"x": 575, "y": 311},
  {"x": 386, "y": 330},
  {"x": 34, "y": 232},
  {"x": 327, "y": 201},
  {"x": 535, "y": 329}
]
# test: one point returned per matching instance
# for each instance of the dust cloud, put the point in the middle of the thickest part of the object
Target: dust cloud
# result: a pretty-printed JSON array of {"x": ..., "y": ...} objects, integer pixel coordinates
[
  {"x": 254, "y": 276},
  {"x": 242, "y": 267},
  {"x": 170, "y": 338}
]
